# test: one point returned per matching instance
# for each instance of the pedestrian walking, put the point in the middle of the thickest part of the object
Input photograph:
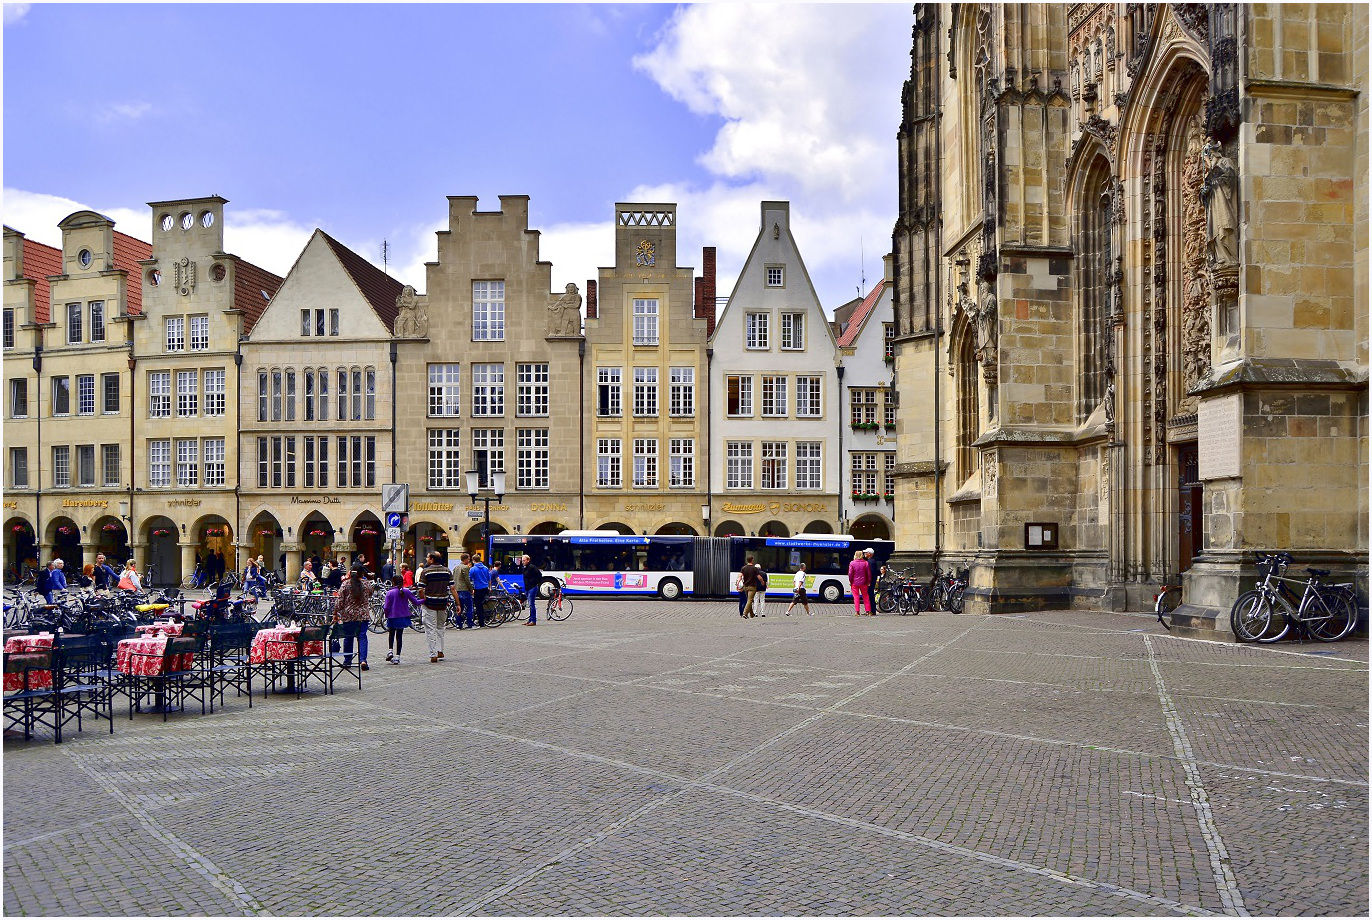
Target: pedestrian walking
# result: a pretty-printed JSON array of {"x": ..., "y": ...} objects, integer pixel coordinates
[
  {"x": 128, "y": 579},
  {"x": 858, "y": 576},
  {"x": 533, "y": 579},
  {"x": 462, "y": 584},
  {"x": 104, "y": 575},
  {"x": 760, "y": 599},
  {"x": 353, "y": 606},
  {"x": 798, "y": 595},
  {"x": 388, "y": 570},
  {"x": 51, "y": 579},
  {"x": 435, "y": 587},
  {"x": 742, "y": 597},
  {"x": 869, "y": 556},
  {"x": 481, "y": 588},
  {"x": 406, "y": 575},
  {"x": 748, "y": 576},
  {"x": 397, "y": 607}
]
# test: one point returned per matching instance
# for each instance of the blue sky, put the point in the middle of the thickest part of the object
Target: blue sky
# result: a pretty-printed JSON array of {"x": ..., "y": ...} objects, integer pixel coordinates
[{"x": 361, "y": 118}]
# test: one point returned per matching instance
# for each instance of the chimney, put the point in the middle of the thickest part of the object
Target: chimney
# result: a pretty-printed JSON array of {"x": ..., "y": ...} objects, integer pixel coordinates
[
  {"x": 591, "y": 312},
  {"x": 706, "y": 287}
]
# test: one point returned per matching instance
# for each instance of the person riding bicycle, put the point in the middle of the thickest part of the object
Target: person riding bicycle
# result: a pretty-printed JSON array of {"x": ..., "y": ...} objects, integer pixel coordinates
[{"x": 253, "y": 579}]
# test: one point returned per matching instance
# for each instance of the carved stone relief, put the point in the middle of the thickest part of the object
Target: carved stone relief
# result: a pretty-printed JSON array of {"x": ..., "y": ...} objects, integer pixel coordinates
[
  {"x": 411, "y": 321},
  {"x": 1195, "y": 308},
  {"x": 564, "y": 313},
  {"x": 183, "y": 276}
]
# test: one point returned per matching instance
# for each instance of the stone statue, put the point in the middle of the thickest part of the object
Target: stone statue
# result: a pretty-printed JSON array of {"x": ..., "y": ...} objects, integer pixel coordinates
[
  {"x": 564, "y": 314},
  {"x": 411, "y": 322},
  {"x": 1110, "y": 403},
  {"x": 988, "y": 328},
  {"x": 1221, "y": 193}
]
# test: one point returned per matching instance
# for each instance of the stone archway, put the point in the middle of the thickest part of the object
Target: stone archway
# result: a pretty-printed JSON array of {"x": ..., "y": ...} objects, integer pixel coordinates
[
  {"x": 21, "y": 547},
  {"x": 547, "y": 528},
  {"x": 774, "y": 529},
  {"x": 730, "y": 529},
  {"x": 677, "y": 529},
  {"x": 214, "y": 535},
  {"x": 871, "y": 527},
  {"x": 64, "y": 536},
  {"x": 617, "y": 527},
  {"x": 163, "y": 551},
  {"x": 369, "y": 541},
  {"x": 819, "y": 527},
  {"x": 473, "y": 543},
  {"x": 111, "y": 538},
  {"x": 264, "y": 537}
]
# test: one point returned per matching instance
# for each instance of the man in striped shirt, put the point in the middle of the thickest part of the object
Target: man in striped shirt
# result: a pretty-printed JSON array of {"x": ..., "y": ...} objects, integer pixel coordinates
[{"x": 436, "y": 587}]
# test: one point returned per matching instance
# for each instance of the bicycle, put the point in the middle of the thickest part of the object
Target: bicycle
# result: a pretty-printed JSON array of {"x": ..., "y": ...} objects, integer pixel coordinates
[
  {"x": 1165, "y": 602},
  {"x": 558, "y": 606},
  {"x": 1325, "y": 611}
]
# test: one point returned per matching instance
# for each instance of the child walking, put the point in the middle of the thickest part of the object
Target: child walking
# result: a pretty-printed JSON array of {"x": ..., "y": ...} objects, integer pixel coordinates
[{"x": 398, "y": 601}]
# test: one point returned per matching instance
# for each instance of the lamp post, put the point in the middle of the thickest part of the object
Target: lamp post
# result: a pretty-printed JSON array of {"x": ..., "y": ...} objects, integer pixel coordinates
[{"x": 496, "y": 491}]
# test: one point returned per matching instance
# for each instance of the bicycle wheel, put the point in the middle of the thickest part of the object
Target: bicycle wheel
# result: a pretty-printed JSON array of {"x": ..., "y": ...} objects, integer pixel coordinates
[
  {"x": 559, "y": 607},
  {"x": 886, "y": 600},
  {"x": 1255, "y": 618},
  {"x": 1168, "y": 599},
  {"x": 955, "y": 599},
  {"x": 1330, "y": 617}
]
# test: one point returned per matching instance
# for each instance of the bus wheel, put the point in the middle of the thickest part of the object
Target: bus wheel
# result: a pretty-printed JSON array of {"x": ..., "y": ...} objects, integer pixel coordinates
[
  {"x": 669, "y": 589},
  {"x": 831, "y": 593}
]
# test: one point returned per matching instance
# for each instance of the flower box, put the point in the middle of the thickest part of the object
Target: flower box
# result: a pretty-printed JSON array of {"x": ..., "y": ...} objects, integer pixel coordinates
[{"x": 865, "y": 426}]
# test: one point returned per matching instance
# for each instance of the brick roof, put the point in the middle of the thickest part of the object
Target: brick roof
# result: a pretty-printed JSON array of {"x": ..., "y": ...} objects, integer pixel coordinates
[
  {"x": 380, "y": 289},
  {"x": 40, "y": 261},
  {"x": 128, "y": 251},
  {"x": 253, "y": 287},
  {"x": 860, "y": 315}
]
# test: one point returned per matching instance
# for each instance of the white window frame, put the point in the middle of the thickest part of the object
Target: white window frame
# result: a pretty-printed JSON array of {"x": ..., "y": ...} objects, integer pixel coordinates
[
  {"x": 19, "y": 467},
  {"x": 159, "y": 463},
  {"x": 531, "y": 458},
  {"x": 159, "y": 394},
  {"x": 531, "y": 399},
  {"x": 75, "y": 331},
  {"x": 776, "y": 276},
  {"x": 793, "y": 332},
  {"x": 775, "y": 457},
  {"x": 491, "y": 443},
  {"x": 19, "y": 397},
  {"x": 445, "y": 459},
  {"x": 774, "y": 400},
  {"x": 263, "y": 403},
  {"x": 738, "y": 465},
  {"x": 683, "y": 395},
  {"x": 488, "y": 390},
  {"x": 214, "y": 456},
  {"x": 215, "y": 402},
  {"x": 745, "y": 395},
  {"x": 683, "y": 463},
  {"x": 85, "y": 465},
  {"x": 187, "y": 394},
  {"x": 645, "y": 392},
  {"x": 105, "y": 393},
  {"x": 97, "y": 320},
  {"x": 187, "y": 462},
  {"x": 809, "y": 396},
  {"x": 63, "y": 387},
  {"x": 757, "y": 331},
  {"x": 609, "y": 392},
  {"x": 85, "y": 394},
  {"x": 646, "y": 311},
  {"x": 61, "y": 467},
  {"x": 199, "y": 329},
  {"x": 609, "y": 463},
  {"x": 110, "y": 466},
  {"x": 488, "y": 311},
  {"x": 645, "y": 463},
  {"x": 809, "y": 465},
  {"x": 445, "y": 390},
  {"x": 175, "y": 334}
]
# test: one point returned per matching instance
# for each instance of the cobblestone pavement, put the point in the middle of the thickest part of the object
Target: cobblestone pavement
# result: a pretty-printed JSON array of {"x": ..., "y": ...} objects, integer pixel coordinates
[{"x": 670, "y": 758}]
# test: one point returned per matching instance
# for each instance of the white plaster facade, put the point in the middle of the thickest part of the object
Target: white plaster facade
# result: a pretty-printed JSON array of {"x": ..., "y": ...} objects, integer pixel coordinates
[{"x": 770, "y": 346}]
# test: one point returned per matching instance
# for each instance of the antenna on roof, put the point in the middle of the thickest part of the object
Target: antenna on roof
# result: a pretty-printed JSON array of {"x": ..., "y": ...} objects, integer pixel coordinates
[
  {"x": 862, "y": 260},
  {"x": 385, "y": 256}
]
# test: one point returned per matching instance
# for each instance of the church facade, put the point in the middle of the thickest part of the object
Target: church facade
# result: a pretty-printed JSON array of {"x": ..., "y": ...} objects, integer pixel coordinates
[{"x": 1131, "y": 298}]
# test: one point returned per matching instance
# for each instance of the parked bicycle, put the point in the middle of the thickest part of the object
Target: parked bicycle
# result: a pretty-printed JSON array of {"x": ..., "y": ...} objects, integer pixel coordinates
[
  {"x": 1167, "y": 600},
  {"x": 558, "y": 606},
  {"x": 1271, "y": 611}
]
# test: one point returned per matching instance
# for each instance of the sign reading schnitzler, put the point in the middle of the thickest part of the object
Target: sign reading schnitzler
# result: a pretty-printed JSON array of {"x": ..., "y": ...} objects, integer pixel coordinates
[{"x": 1218, "y": 426}]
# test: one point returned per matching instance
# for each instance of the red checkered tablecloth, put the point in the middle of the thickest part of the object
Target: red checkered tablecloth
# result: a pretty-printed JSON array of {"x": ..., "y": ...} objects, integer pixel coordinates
[
  {"x": 143, "y": 657},
  {"x": 164, "y": 629},
  {"x": 38, "y": 680},
  {"x": 279, "y": 645}
]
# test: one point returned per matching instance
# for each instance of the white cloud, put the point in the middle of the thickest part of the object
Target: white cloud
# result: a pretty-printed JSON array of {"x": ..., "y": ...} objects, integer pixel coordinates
[
  {"x": 810, "y": 117},
  {"x": 15, "y": 12},
  {"x": 36, "y": 215},
  {"x": 129, "y": 110},
  {"x": 576, "y": 251},
  {"x": 271, "y": 239}
]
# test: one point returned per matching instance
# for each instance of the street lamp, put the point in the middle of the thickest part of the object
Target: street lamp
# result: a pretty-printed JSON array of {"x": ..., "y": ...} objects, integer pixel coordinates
[{"x": 473, "y": 489}]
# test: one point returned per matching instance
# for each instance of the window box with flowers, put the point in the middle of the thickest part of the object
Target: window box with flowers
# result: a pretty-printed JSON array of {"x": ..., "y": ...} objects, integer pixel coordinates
[
  {"x": 889, "y": 359},
  {"x": 864, "y": 496},
  {"x": 889, "y": 426},
  {"x": 865, "y": 426},
  {"x": 890, "y": 496}
]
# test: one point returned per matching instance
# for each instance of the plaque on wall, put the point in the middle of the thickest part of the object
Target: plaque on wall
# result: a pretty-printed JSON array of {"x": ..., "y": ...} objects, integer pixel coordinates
[{"x": 1219, "y": 427}]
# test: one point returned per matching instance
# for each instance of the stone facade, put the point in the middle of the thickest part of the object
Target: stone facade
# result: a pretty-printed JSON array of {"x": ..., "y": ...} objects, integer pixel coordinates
[
  {"x": 1135, "y": 327},
  {"x": 775, "y": 396},
  {"x": 651, "y": 318}
]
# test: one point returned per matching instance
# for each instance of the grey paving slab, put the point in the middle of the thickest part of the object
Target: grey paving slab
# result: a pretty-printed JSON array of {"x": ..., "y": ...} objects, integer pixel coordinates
[{"x": 670, "y": 758}]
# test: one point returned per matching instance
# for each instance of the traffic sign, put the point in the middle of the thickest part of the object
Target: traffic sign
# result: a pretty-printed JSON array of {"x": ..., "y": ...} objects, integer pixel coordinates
[
  {"x": 393, "y": 534},
  {"x": 394, "y": 521},
  {"x": 395, "y": 496}
]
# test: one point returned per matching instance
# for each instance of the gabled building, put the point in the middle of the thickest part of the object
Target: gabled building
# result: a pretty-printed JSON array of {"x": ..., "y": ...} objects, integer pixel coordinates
[
  {"x": 488, "y": 380},
  {"x": 866, "y": 351},
  {"x": 68, "y": 389},
  {"x": 648, "y": 321},
  {"x": 775, "y": 417},
  {"x": 198, "y": 301},
  {"x": 315, "y": 410}
]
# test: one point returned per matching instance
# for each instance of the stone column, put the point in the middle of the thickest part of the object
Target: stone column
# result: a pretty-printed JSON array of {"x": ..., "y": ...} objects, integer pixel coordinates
[
  {"x": 45, "y": 553},
  {"x": 139, "y": 553},
  {"x": 295, "y": 559},
  {"x": 187, "y": 562}
]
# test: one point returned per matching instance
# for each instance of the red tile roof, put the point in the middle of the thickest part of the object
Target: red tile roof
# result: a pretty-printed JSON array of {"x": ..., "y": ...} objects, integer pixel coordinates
[
  {"x": 860, "y": 315},
  {"x": 40, "y": 261},
  {"x": 253, "y": 287},
  {"x": 128, "y": 250},
  {"x": 380, "y": 289}
]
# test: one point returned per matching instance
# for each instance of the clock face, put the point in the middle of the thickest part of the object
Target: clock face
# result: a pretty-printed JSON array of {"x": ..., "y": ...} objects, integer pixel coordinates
[{"x": 644, "y": 254}]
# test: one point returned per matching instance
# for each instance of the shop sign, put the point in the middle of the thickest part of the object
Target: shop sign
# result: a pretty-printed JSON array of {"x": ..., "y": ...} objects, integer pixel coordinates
[
  {"x": 548, "y": 506},
  {"x": 744, "y": 507},
  {"x": 184, "y": 502},
  {"x": 819, "y": 507},
  {"x": 85, "y": 503},
  {"x": 433, "y": 506},
  {"x": 316, "y": 500},
  {"x": 11, "y": 504},
  {"x": 645, "y": 506}
]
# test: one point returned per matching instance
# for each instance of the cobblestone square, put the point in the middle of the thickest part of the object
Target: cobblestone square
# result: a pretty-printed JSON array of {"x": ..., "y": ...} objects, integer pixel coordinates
[{"x": 671, "y": 758}]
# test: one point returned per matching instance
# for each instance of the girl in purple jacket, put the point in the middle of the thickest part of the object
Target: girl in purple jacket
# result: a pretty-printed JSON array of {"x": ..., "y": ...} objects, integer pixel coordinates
[{"x": 398, "y": 601}]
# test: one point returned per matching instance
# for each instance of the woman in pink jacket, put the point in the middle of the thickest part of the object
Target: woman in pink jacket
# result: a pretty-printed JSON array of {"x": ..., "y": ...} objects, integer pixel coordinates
[{"x": 859, "y": 574}]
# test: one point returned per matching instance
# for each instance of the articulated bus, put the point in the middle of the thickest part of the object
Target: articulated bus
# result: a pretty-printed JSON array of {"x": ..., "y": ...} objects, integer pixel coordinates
[{"x": 602, "y": 562}]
